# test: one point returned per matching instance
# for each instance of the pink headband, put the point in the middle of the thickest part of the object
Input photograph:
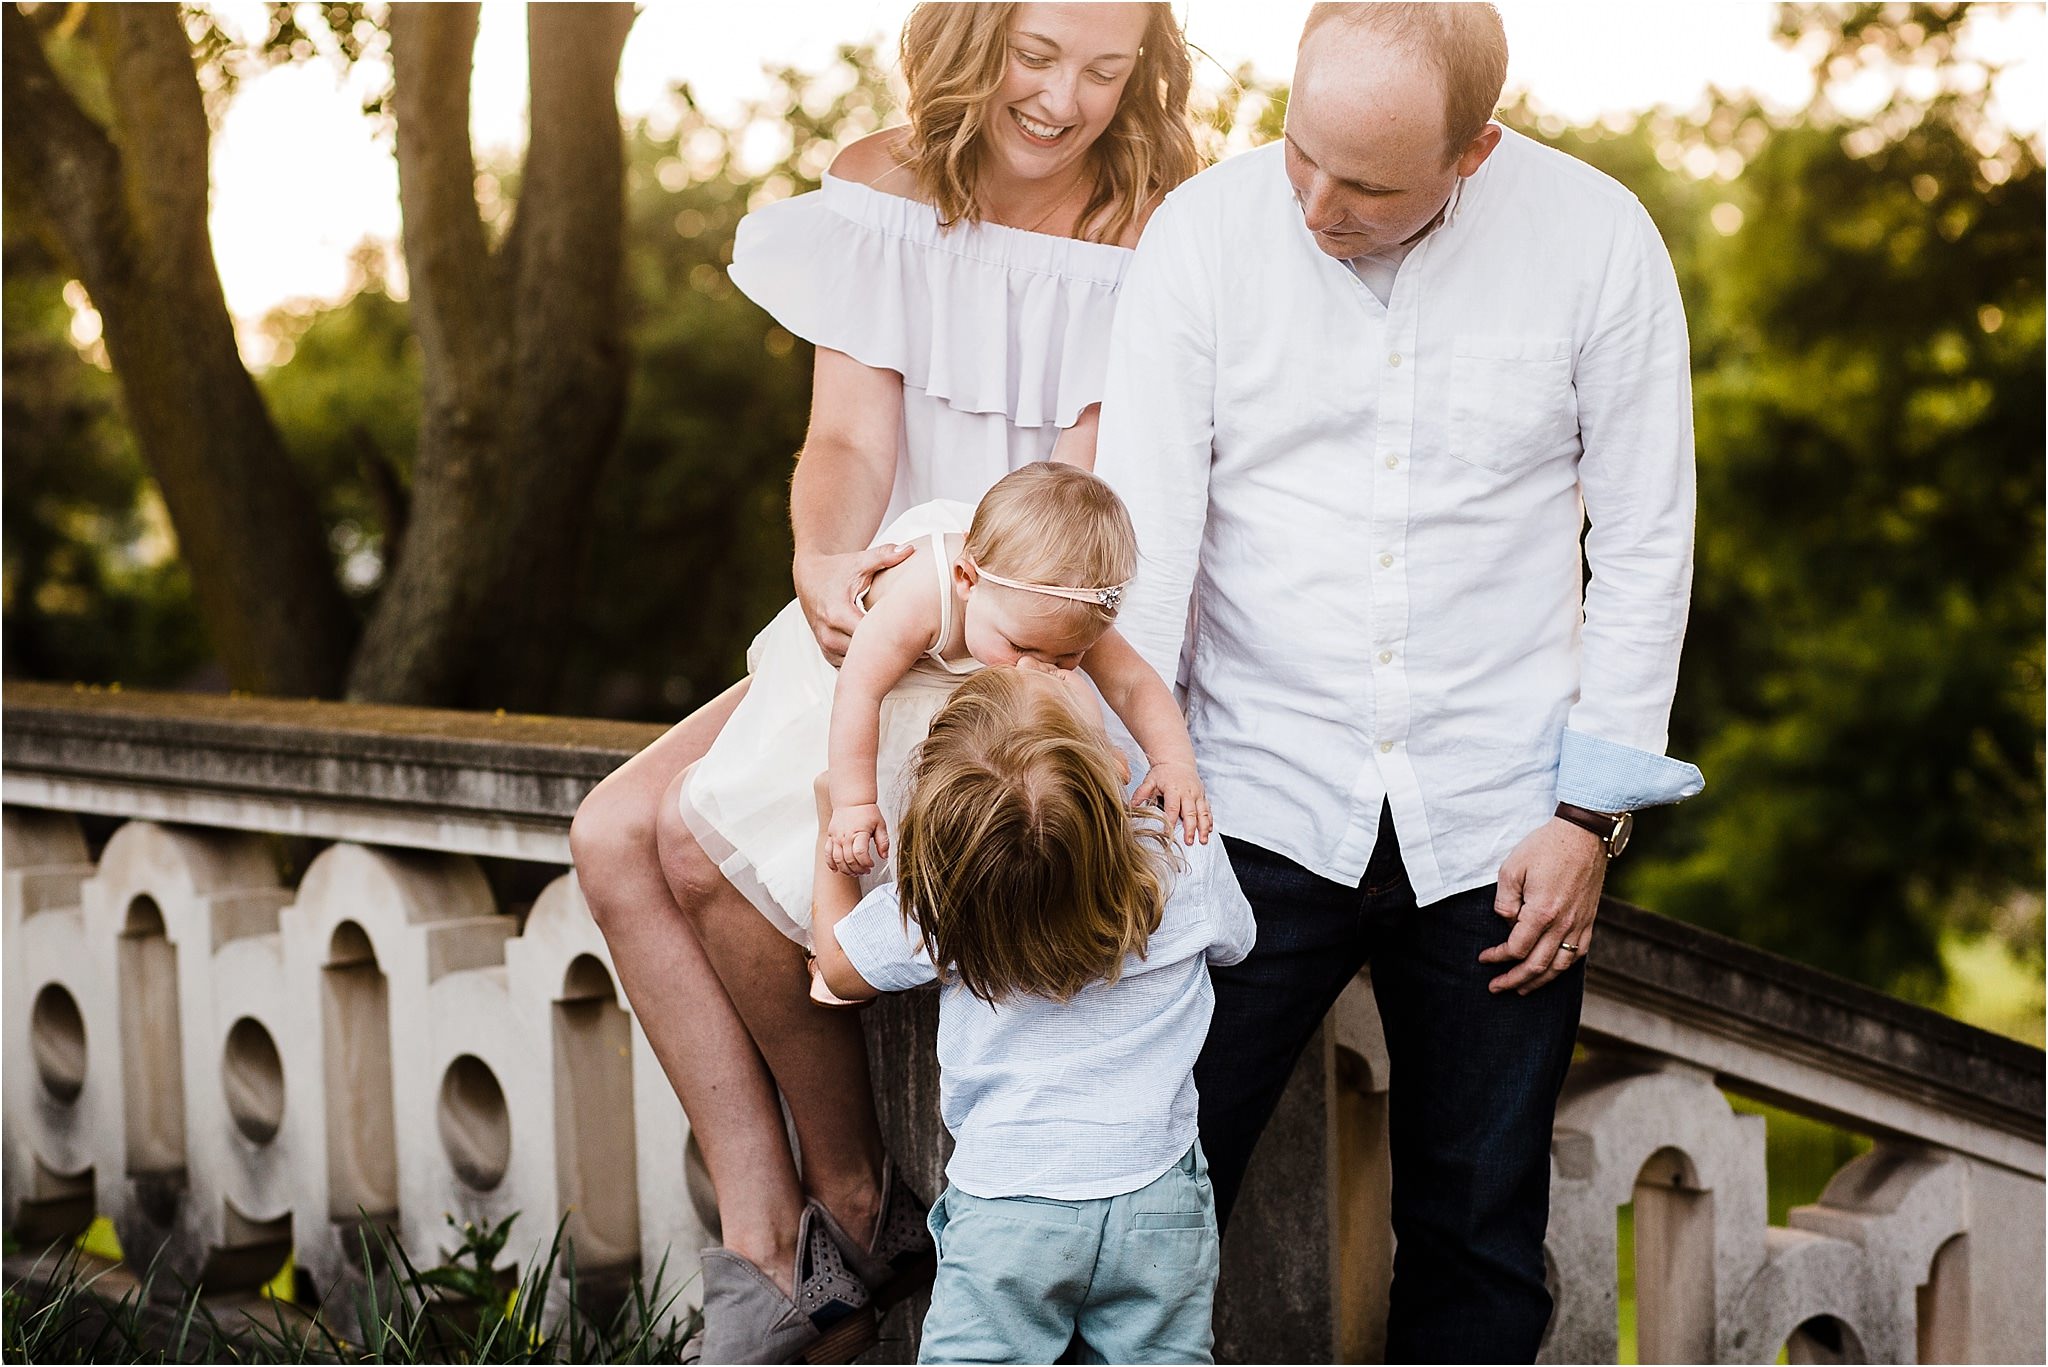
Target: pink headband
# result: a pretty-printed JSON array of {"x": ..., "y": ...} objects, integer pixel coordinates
[{"x": 1109, "y": 596}]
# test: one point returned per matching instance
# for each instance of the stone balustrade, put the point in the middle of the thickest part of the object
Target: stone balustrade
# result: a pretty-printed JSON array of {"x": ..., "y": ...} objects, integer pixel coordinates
[{"x": 231, "y": 1068}]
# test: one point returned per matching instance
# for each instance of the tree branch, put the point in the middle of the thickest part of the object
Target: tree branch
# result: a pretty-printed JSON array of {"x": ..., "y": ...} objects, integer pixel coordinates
[
  {"x": 60, "y": 155},
  {"x": 159, "y": 121},
  {"x": 458, "y": 310},
  {"x": 566, "y": 254}
]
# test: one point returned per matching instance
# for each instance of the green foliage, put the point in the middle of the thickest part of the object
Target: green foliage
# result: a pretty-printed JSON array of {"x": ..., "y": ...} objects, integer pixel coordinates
[
  {"x": 92, "y": 585},
  {"x": 472, "y": 1268},
  {"x": 1863, "y": 673},
  {"x": 347, "y": 403}
]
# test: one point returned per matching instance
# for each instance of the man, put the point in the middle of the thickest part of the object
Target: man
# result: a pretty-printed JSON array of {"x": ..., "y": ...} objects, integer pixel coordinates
[{"x": 1367, "y": 386}]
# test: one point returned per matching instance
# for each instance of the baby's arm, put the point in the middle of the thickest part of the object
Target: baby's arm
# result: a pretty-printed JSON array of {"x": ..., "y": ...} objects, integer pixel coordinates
[
  {"x": 1136, "y": 693},
  {"x": 833, "y": 896},
  {"x": 885, "y": 645}
]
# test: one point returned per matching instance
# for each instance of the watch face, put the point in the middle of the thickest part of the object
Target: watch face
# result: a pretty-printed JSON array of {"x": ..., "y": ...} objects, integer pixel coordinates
[{"x": 1623, "y": 829}]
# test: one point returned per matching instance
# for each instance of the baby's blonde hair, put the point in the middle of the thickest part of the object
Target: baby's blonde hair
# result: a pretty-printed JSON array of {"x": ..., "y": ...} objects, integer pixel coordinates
[
  {"x": 1019, "y": 859},
  {"x": 1056, "y": 524}
]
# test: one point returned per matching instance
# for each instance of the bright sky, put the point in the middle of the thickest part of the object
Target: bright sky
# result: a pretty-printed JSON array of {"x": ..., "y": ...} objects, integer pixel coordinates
[{"x": 300, "y": 180}]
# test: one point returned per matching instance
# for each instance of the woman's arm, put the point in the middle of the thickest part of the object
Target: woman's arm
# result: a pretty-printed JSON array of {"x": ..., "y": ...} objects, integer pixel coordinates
[
  {"x": 840, "y": 491},
  {"x": 1136, "y": 693},
  {"x": 1076, "y": 444},
  {"x": 895, "y": 632},
  {"x": 834, "y": 895}
]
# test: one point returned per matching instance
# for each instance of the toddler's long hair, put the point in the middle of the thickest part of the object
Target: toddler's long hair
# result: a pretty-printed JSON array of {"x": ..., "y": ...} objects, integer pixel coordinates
[{"x": 1020, "y": 860}]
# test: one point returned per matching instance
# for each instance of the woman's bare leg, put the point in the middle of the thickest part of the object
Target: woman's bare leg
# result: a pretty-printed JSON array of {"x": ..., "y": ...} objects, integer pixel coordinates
[
  {"x": 687, "y": 1014},
  {"x": 819, "y": 1057}
]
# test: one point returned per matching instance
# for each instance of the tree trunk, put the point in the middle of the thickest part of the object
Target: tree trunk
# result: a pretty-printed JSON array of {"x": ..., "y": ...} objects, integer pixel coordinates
[
  {"x": 128, "y": 206},
  {"x": 523, "y": 358}
]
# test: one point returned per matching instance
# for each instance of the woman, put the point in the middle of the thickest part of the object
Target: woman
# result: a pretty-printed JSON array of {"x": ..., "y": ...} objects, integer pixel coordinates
[{"x": 957, "y": 277}]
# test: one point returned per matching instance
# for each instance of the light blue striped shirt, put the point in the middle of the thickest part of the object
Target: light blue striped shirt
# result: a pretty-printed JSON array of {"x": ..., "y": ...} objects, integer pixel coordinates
[{"x": 1081, "y": 1099}]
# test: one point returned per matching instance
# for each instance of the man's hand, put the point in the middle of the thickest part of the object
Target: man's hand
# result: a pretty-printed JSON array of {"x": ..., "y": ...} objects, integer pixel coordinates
[
  {"x": 826, "y": 586},
  {"x": 1550, "y": 888}
]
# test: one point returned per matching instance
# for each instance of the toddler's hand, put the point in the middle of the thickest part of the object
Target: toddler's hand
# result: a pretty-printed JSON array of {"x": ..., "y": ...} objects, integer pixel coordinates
[
  {"x": 1177, "y": 788},
  {"x": 849, "y": 834}
]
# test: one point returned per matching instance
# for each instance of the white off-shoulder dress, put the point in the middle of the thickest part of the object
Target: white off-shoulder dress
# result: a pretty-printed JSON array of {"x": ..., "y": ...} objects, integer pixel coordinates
[{"x": 1001, "y": 337}]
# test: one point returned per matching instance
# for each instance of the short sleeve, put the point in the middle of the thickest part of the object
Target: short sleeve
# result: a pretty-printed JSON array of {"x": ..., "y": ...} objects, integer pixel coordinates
[
  {"x": 881, "y": 946},
  {"x": 1232, "y": 927},
  {"x": 985, "y": 318}
]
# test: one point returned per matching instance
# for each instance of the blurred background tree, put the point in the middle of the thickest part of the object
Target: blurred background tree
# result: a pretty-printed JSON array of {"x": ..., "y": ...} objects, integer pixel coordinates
[
  {"x": 522, "y": 362},
  {"x": 1863, "y": 682}
]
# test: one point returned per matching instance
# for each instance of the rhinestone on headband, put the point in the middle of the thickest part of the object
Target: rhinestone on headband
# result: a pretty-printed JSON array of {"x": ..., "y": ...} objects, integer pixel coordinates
[{"x": 1111, "y": 597}]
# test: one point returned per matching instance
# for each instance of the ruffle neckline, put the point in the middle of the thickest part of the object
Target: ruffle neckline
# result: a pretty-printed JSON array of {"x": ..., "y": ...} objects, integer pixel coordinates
[{"x": 982, "y": 317}]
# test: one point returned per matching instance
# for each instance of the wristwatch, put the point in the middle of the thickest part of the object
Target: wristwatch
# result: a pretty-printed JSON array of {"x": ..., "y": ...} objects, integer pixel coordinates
[{"x": 1613, "y": 828}]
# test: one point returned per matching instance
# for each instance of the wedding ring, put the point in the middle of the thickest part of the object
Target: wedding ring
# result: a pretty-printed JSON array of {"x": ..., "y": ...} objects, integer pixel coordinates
[{"x": 1568, "y": 946}]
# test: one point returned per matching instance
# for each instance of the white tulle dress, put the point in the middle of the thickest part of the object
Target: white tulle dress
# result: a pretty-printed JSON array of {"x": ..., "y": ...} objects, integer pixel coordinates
[
  {"x": 749, "y": 801},
  {"x": 1001, "y": 337}
]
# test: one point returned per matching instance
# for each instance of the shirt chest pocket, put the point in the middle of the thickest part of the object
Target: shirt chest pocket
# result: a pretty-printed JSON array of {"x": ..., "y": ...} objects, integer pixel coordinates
[{"x": 1512, "y": 403}]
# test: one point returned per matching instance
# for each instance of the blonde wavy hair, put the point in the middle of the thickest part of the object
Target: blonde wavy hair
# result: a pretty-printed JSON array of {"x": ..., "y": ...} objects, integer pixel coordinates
[
  {"x": 1019, "y": 859},
  {"x": 1048, "y": 523},
  {"x": 954, "y": 56}
]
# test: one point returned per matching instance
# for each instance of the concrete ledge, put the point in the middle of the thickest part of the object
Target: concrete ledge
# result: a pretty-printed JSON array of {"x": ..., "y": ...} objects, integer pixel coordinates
[
  {"x": 465, "y": 782},
  {"x": 1842, "y": 1033}
]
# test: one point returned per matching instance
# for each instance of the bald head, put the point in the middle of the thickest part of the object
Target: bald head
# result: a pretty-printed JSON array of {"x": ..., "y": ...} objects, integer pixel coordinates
[
  {"x": 1380, "y": 120},
  {"x": 1463, "y": 46}
]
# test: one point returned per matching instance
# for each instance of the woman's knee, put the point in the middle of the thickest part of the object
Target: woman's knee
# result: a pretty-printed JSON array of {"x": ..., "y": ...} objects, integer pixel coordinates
[
  {"x": 610, "y": 834},
  {"x": 692, "y": 877}
]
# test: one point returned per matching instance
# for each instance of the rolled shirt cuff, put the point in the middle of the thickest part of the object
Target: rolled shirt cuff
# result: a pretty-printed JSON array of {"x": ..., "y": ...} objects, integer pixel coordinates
[{"x": 1608, "y": 776}]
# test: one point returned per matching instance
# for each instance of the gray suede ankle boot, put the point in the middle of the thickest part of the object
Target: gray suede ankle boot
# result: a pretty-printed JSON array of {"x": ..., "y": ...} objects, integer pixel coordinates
[
  {"x": 748, "y": 1319},
  {"x": 900, "y": 1260}
]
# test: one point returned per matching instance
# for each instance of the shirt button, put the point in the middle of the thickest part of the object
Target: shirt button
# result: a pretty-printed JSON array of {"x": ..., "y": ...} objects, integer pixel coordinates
[
  {"x": 1385, "y": 746},
  {"x": 1386, "y": 561},
  {"x": 1394, "y": 359},
  {"x": 1393, "y": 462},
  {"x": 1385, "y": 656}
]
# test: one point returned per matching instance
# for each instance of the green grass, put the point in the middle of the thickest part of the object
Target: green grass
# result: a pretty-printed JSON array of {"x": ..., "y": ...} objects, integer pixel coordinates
[{"x": 458, "y": 1311}]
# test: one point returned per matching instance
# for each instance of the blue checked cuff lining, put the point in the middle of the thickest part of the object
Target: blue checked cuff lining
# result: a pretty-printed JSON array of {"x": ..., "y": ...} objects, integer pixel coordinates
[{"x": 1608, "y": 776}]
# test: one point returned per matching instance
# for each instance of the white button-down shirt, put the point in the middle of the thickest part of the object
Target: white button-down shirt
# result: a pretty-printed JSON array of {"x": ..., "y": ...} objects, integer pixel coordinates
[{"x": 1376, "y": 511}]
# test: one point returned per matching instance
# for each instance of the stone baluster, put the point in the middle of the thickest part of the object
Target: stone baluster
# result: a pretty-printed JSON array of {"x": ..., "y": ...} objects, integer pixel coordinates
[
  {"x": 194, "y": 1172},
  {"x": 56, "y": 1098},
  {"x": 369, "y": 935},
  {"x": 1660, "y": 1134}
]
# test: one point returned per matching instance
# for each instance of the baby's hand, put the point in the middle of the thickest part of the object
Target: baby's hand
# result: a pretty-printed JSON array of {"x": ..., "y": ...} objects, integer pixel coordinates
[
  {"x": 1177, "y": 788},
  {"x": 848, "y": 835}
]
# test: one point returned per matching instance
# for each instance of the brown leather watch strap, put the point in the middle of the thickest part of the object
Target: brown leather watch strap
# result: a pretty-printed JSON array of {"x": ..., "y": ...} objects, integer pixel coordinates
[
  {"x": 1599, "y": 823},
  {"x": 1613, "y": 828}
]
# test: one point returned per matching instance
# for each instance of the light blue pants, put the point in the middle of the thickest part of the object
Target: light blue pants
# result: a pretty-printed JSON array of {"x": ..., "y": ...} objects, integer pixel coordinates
[{"x": 1133, "y": 1275}]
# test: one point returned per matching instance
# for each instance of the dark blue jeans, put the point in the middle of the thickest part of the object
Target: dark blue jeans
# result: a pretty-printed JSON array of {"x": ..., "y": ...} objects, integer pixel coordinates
[{"x": 1473, "y": 1089}]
